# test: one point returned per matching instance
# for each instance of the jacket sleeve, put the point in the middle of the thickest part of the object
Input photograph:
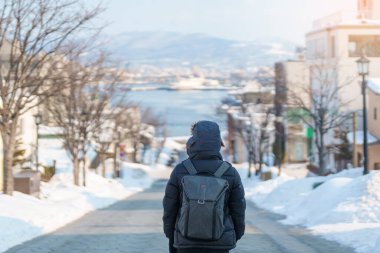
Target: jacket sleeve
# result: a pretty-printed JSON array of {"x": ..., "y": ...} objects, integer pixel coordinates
[
  {"x": 171, "y": 205},
  {"x": 237, "y": 206}
]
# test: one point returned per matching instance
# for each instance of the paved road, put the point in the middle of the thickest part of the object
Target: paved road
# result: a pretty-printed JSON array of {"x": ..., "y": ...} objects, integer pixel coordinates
[{"x": 134, "y": 226}]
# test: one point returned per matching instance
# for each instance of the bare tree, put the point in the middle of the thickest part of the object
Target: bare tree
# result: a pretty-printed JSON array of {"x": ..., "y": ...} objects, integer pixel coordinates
[
  {"x": 244, "y": 130},
  {"x": 263, "y": 127},
  {"x": 32, "y": 38},
  {"x": 255, "y": 132},
  {"x": 319, "y": 105},
  {"x": 84, "y": 106}
]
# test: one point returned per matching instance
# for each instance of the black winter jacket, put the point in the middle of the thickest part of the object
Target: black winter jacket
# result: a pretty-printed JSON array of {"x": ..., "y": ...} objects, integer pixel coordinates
[
  {"x": 203, "y": 149},
  {"x": 205, "y": 162}
]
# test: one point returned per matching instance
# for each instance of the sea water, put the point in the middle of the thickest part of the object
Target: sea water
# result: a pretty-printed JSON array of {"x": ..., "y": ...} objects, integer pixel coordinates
[{"x": 180, "y": 109}]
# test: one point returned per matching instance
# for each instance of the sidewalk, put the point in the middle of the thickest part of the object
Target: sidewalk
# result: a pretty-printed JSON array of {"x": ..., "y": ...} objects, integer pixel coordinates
[{"x": 134, "y": 225}]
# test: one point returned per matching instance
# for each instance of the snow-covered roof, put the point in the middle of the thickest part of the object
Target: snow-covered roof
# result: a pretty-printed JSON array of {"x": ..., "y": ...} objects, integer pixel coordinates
[
  {"x": 252, "y": 86},
  {"x": 360, "y": 138},
  {"x": 374, "y": 85}
]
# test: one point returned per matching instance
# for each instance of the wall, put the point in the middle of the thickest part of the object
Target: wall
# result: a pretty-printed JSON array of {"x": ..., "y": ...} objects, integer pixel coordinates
[
  {"x": 27, "y": 133},
  {"x": 345, "y": 65},
  {"x": 373, "y": 154},
  {"x": 374, "y": 124}
]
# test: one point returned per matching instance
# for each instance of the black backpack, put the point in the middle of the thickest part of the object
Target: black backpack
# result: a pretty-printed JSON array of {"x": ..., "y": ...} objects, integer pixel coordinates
[{"x": 202, "y": 211}]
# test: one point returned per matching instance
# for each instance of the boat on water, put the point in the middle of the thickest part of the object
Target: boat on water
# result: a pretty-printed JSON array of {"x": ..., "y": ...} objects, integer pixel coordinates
[{"x": 197, "y": 83}]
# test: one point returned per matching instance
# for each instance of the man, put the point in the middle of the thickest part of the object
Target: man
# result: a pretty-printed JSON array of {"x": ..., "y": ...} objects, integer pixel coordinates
[{"x": 203, "y": 149}]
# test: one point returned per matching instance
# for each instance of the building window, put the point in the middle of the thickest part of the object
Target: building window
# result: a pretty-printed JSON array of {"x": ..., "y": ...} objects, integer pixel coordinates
[
  {"x": 370, "y": 44},
  {"x": 375, "y": 113},
  {"x": 377, "y": 166}
]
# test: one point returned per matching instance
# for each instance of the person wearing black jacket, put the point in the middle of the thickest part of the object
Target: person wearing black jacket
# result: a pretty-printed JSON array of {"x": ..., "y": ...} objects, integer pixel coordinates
[{"x": 203, "y": 149}]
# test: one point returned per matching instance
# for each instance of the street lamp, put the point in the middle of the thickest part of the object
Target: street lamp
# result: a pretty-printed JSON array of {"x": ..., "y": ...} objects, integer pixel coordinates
[
  {"x": 38, "y": 121},
  {"x": 363, "y": 70}
]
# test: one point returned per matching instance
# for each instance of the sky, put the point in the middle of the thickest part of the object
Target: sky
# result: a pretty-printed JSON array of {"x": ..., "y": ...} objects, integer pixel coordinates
[{"x": 242, "y": 20}]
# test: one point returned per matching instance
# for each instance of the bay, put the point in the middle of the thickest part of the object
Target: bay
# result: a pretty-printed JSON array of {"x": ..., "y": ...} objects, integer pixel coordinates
[{"x": 180, "y": 109}]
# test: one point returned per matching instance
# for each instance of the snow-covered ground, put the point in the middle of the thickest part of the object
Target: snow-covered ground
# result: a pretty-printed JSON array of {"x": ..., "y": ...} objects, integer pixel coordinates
[
  {"x": 23, "y": 217},
  {"x": 345, "y": 208}
]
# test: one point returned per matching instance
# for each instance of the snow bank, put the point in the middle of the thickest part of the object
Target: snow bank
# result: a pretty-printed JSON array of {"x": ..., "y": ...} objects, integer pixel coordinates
[
  {"x": 23, "y": 217},
  {"x": 259, "y": 191},
  {"x": 374, "y": 85},
  {"x": 345, "y": 208}
]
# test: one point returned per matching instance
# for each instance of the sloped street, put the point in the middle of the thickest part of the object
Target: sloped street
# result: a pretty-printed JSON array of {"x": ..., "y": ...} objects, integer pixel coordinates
[{"x": 134, "y": 226}]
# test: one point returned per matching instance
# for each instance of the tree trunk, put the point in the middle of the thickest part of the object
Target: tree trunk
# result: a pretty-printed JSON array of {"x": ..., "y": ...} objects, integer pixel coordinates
[
  {"x": 249, "y": 164},
  {"x": 135, "y": 150},
  {"x": 258, "y": 171},
  {"x": 115, "y": 161},
  {"x": 9, "y": 142},
  {"x": 84, "y": 170},
  {"x": 103, "y": 161},
  {"x": 321, "y": 150},
  {"x": 76, "y": 171}
]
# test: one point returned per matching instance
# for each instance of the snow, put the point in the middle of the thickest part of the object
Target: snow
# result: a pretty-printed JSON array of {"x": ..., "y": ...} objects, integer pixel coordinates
[
  {"x": 345, "y": 208},
  {"x": 360, "y": 137},
  {"x": 23, "y": 217},
  {"x": 374, "y": 85}
]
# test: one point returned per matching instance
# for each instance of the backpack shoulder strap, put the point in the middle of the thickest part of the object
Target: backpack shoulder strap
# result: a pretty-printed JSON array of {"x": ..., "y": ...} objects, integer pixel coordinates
[
  {"x": 222, "y": 169},
  {"x": 190, "y": 167}
]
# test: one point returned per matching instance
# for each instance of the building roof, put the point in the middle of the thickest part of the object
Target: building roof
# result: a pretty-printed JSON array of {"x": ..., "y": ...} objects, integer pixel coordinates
[
  {"x": 374, "y": 85},
  {"x": 343, "y": 20},
  {"x": 360, "y": 138},
  {"x": 252, "y": 86}
]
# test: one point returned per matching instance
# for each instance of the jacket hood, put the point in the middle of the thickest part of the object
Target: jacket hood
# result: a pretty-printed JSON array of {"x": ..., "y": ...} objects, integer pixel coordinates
[{"x": 205, "y": 142}]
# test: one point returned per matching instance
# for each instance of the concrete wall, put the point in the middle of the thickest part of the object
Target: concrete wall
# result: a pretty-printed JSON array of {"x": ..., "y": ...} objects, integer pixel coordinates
[
  {"x": 292, "y": 77},
  {"x": 333, "y": 43},
  {"x": 374, "y": 9},
  {"x": 27, "y": 132},
  {"x": 373, "y": 155},
  {"x": 374, "y": 123},
  {"x": 298, "y": 79}
]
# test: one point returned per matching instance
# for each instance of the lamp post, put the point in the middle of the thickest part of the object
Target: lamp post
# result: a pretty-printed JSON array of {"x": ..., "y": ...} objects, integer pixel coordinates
[
  {"x": 363, "y": 70},
  {"x": 38, "y": 121}
]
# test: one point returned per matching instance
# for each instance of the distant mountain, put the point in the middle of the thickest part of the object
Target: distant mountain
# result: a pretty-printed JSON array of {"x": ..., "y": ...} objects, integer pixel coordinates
[{"x": 176, "y": 49}]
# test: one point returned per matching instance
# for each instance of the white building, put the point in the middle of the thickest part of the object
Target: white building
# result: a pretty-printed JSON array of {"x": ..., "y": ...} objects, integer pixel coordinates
[
  {"x": 335, "y": 44},
  {"x": 338, "y": 40},
  {"x": 27, "y": 133}
]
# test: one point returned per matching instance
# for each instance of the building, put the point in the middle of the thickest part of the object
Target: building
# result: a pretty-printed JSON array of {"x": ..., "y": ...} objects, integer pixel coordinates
[
  {"x": 338, "y": 40},
  {"x": 333, "y": 46},
  {"x": 26, "y": 135},
  {"x": 291, "y": 77},
  {"x": 373, "y": 116},
  {"x": 252, "y": 130},
  {"x": 255, "y": 93}
]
